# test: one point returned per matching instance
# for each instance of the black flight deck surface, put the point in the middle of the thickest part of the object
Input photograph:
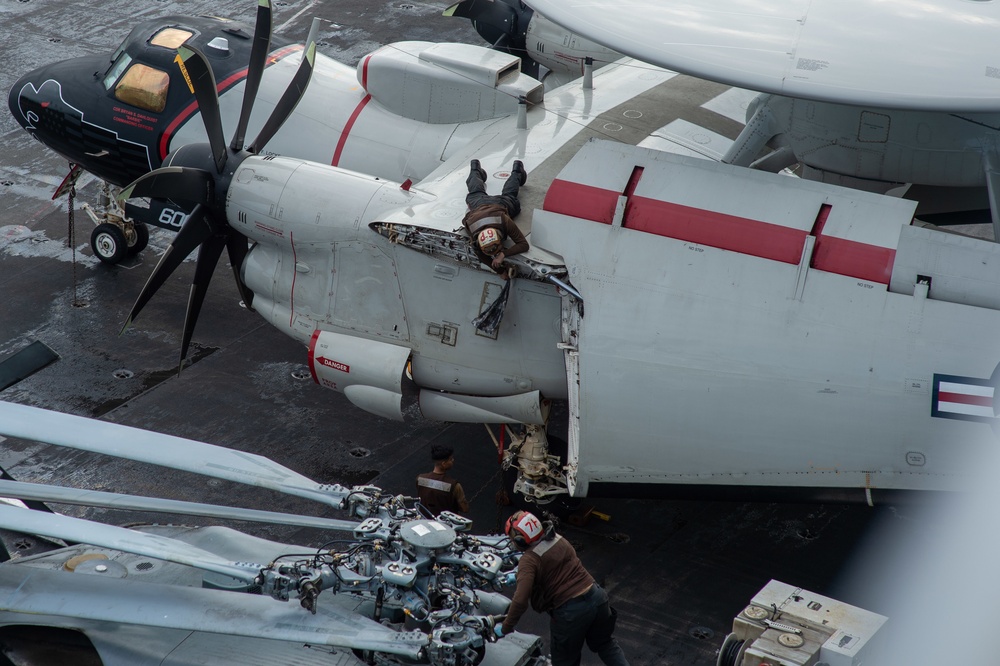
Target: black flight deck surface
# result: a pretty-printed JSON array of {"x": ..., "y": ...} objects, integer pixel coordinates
[{"x": 677, "y": 571}]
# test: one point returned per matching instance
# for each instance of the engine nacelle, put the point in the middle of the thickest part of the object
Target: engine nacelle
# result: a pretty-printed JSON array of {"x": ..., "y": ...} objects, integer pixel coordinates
[
  {"x": 281, "y": 200},
  {"x": 446, "y": 83},
  {"x": 373, "y": 376},
  {"x": 520, "y": 408},
  {"x": 368, "y": 372},
  {"x": 562, "y": 51}
]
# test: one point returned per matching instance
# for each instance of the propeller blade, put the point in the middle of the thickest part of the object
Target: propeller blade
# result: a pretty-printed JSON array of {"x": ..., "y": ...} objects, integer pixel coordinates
[
  {"x": 208, "y": 257},
  {"x": 471, "y": 9},
  {"x": 56, "y": 526},
  {"x": 238, "y": 248},
  {"x": 293, "y": 93},
  {"x": 255, "y": 71},
  {"x": 201, "y": 80},
  {"x": 113, "y": 439},
  {"x": 177, "y": 183},
  {"x": 62, "y": 495},
  {"x": 491, "y": 19},
  {"x": 194, "y": 231}
]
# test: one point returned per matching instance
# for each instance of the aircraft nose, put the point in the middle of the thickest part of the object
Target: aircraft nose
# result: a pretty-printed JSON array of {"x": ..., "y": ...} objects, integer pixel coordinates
[
  {"x": 14, "y": 101},
  {"x": 66, "y": 106},
  {"x": 39, "y": 99}
]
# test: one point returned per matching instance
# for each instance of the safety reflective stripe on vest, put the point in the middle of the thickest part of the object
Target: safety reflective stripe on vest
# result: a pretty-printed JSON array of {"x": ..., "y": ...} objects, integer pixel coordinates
[
  {"x": 436, "y": 485},
  {"x": 544, "y": 546},
  {"x": 480, "y": 224}
]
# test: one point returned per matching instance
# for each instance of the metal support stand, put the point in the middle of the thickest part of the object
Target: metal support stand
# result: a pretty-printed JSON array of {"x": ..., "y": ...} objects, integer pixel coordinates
[{"x": 588, "y": 73}]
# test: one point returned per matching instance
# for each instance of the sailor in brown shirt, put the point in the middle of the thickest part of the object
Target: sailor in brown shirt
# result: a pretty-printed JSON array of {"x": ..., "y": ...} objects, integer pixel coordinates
[
  {"x": 437, "y": 490},
  {"x": 490, "y": 220},
  {"x": 552, "y": 577}
]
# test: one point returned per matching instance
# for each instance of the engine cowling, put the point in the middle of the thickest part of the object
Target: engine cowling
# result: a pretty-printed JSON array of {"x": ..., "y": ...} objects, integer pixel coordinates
[
  {"x": 446, "y": 83},
  {"x": 368, "y": 372}
]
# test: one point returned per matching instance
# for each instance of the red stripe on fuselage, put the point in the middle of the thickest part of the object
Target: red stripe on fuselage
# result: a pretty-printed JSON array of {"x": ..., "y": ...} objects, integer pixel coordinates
[
  {"x": 590, "y": 203},
  {"x": 706, "y": 227},
  {"x": 364, "y": 72},
  {"x": 860, "y": 260},
  {"x": 220, "y": 87},
  {"x": 724, "y": 231},
  {"x": 966, "y": 399},
  {"x": 347, "y": 130},
  {"x": 312, "y": 355}
]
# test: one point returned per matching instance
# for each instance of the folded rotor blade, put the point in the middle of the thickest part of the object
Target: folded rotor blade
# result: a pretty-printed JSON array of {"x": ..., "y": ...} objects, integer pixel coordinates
[
  {"x": 195, "y": 230},
  {"x": 202, "y": 81},
  {"x": 113, "y": 439},
  {"x": 208, "y": 257},
  {"x": 293, "y": 93},
  {"x": 62, "y": 495},
  {"x": 177, "y": 183},
  {"x": 237, "y": 246},
  {"x": 56, "y": 526},
  {"x": 255, "y": 71},
  {"x": 45, "y": 593}
]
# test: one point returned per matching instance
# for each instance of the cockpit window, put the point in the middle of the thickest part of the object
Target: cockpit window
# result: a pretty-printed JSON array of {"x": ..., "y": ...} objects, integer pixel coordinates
[
  {"x": 117, "y": 67},
  {"x": 170, "y": 38},
  {"x": 144, "y": 87}
]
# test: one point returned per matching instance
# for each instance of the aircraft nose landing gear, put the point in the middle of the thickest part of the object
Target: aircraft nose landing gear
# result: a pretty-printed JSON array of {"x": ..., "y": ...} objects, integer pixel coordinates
[{"x": 115, "y": 236}]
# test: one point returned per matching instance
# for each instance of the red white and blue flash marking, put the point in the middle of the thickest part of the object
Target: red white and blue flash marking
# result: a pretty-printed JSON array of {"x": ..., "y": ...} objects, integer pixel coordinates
[{"x": 964, "y": 398}]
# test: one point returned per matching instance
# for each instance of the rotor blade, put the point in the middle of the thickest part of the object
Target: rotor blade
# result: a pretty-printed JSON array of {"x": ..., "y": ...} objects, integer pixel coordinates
[
  {"x": 201, "y": 81},
  {"x": 208, "y": 257},
  {"x": 178, "y": 183},
  {"x": 255, "y": 71},
  {"x": 56, "y": 526},
  {"x": 236, "y": 245},
  {"x": 113, "y": 439},
  {"x": 41, "y": 592},
  {"x": 62, "y": 495},
  {"x": 293, "y": 93},
  {"x": 194, "y": 231}
]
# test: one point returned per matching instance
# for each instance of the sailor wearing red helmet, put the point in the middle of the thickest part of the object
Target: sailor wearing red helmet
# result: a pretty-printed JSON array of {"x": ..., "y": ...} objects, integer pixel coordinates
[{"x": 552, "y": 578}]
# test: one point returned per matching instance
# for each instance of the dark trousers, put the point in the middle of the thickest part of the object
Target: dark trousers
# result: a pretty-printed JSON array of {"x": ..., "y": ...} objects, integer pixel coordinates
[
  {"x": 508, "y": 196},
  {"x": 588, "y": 618}
]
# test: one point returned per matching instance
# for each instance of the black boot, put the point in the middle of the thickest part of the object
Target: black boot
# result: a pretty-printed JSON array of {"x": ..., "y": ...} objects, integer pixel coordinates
[
  {"x": 475, "y": 167},
  {"x": 522, "y": 175}
]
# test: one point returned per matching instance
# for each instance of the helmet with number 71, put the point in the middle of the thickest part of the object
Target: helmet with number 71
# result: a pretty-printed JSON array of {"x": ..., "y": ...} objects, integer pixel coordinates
[{"x": 524, "y": 529}]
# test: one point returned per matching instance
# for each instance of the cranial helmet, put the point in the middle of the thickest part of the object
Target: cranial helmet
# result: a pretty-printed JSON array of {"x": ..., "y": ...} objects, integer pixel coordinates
[
  {"x": 524, "y": 529},
  {"x": 489, "y": 240}
]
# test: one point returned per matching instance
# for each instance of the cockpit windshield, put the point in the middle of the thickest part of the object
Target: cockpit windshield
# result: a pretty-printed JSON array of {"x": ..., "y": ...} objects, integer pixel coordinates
[
  {"x": 144, "y": 87},
  {"x": 117, "y": 67},
  {"x": 141, "y": 85}
]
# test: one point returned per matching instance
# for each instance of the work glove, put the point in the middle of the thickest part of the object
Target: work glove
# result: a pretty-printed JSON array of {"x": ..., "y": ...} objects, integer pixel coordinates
[
  {"x": 498, "y": 630},
  {"x": 509, "y": 578}
]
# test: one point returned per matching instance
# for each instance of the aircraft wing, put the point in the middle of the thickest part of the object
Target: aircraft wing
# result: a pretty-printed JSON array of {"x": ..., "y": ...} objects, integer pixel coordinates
[
  {"x": 935, "y": 55},
  {"x": 569, "y": 113}
]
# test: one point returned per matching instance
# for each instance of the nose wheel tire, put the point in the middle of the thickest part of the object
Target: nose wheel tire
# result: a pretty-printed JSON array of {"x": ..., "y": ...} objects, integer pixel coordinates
[
  {"x": 138, "y": 239},
  {"x": 109, "y": 243}
]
